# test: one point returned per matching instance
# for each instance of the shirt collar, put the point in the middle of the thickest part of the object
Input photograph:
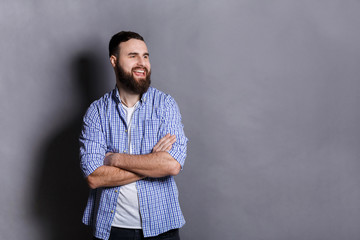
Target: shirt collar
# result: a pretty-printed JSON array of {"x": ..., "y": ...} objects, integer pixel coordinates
[{"x": 116, "y": 95}]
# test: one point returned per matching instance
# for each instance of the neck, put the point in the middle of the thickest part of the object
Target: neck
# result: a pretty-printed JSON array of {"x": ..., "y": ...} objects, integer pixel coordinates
[{"x": 129, "y": 99}]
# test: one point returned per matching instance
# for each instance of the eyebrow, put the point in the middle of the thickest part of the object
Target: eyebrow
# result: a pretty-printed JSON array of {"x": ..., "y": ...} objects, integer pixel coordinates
[{"x": 135, "y": 53}]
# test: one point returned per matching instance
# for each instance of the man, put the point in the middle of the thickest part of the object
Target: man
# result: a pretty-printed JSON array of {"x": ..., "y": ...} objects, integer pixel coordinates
[{"x": 131, "y": 145}]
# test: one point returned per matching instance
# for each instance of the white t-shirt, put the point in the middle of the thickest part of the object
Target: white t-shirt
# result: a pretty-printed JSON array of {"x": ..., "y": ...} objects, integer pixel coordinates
[{"x": 127, "y": 213}]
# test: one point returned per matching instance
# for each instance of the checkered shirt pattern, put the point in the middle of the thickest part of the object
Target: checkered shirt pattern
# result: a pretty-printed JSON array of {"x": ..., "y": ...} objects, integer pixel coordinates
[{"x": 105, "y": 130}]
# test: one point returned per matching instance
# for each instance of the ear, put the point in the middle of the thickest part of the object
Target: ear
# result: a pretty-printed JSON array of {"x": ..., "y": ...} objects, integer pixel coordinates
[{"x": 113, "y": 60}]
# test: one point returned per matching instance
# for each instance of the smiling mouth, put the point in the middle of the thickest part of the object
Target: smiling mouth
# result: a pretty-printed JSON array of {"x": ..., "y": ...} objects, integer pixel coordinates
[{"x": 139, "y": 72}]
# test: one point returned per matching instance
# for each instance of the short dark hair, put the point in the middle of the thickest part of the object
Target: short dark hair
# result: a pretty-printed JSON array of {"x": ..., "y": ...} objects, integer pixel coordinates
[{"x": 123, "y": 36}]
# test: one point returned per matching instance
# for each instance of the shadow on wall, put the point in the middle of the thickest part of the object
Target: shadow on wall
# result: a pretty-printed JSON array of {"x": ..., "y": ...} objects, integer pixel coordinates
[{"x": 61, "y": 191}]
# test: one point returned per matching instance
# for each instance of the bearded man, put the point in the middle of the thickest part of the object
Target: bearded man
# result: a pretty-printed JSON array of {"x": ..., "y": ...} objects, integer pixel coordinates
[{"x": 132, "y": 144}]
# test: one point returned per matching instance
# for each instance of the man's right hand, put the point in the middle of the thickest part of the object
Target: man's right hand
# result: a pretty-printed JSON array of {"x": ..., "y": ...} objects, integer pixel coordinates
[{"x": 165, "y": 143}]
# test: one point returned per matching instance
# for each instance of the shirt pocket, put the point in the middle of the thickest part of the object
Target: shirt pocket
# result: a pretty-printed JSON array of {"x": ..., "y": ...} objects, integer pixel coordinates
[{"x": 152, "y": 134}]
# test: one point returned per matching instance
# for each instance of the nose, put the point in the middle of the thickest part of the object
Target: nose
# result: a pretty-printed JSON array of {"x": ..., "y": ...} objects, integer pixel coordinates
[{"x": 140, "y": 61}]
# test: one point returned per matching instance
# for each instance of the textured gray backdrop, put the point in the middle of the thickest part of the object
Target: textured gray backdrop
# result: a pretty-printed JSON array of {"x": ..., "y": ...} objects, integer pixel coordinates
[{"x": 269, "y": 92}]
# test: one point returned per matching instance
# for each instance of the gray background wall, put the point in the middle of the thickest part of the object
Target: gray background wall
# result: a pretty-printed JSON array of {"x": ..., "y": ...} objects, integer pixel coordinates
[{"x": 269, "y": 92}]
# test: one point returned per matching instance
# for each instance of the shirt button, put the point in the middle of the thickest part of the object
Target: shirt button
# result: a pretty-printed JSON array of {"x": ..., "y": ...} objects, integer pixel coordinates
[
  {"x": 116, "y": 191},
  {"x": 124, "y": 151},
  {"x": 125, "y": 130},
  {"x": 112, "y": 211}
]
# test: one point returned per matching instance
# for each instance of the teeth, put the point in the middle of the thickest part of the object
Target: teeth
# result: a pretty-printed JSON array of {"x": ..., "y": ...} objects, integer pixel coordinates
[{"x": 140, "y": 71}]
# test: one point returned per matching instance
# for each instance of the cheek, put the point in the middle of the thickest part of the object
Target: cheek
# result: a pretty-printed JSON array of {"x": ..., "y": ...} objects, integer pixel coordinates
[
  {"x": 127, "y": 68},
  {"x": 126, "y": 65}
]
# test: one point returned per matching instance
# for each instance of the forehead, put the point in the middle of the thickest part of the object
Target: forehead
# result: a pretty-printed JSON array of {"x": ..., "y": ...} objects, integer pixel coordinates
[{"x": 133, "y": 46}]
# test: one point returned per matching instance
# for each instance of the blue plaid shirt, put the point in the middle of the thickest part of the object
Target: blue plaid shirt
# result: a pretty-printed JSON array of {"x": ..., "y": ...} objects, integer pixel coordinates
[{"x": 105, "y": 130}]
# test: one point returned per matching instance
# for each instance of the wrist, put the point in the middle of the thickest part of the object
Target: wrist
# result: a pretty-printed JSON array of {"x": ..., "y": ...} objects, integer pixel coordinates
[
  {"x": 117, "y": 159},
  {"x": 111, "y": 159}
]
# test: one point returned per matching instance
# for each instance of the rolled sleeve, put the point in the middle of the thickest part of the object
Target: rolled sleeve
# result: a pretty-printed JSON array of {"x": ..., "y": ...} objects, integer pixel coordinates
[
  {"x": 92, "y": 142},
  {"x": 174, "y": 126}
]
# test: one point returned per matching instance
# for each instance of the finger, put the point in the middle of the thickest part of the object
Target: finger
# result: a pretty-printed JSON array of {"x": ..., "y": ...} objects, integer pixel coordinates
[
  {"x": 162, "y": 140},
  {"x": 173, "y": 140},
  {"x": 167, "y": 145},
  {"x": 166, "y": 141},
  {"x": 169, "y": 141}
]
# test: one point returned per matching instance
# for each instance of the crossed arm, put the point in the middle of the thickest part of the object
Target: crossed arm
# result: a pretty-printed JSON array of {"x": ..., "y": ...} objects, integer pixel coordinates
[{"x": 121, "y": 169}]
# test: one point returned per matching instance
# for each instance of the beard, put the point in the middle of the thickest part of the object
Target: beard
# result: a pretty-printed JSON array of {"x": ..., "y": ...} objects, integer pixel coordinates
[{"x": 129, "y": 83}]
